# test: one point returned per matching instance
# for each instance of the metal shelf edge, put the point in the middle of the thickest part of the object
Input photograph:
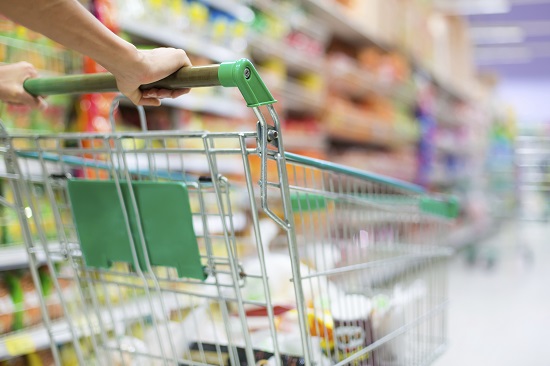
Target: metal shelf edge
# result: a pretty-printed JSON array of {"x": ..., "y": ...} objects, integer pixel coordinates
[
  {"x": 220, "y": 106},
  {"x": 168, "y": 36},
  {"x": 37, "y": 338}
]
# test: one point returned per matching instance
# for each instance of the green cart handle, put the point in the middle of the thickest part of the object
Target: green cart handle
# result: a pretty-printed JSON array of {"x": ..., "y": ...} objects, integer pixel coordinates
[{"x": 241, "y": 74}]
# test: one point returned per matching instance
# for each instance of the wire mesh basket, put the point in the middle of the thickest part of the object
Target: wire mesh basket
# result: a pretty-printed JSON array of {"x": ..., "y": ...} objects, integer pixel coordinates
[{"x": 198, "y": 248}]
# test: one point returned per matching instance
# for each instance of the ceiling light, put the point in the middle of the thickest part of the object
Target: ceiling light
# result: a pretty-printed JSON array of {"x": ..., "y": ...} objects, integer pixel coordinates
[
  {"x": 473, "y": 7},
  {"x": 503, "y": 55},
  {"x": 497, "y": 35}
]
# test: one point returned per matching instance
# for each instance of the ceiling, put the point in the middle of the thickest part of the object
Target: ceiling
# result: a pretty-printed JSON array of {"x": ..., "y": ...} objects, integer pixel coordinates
[{"x": 513, "y": 40}]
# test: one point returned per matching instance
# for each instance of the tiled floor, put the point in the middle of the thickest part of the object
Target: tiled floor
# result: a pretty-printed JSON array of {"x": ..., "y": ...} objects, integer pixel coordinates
[{"x": 501, "y": 315}]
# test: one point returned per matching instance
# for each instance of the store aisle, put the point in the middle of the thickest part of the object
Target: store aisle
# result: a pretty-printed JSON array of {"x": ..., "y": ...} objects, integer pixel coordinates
[{"x": 501, "y": 316}]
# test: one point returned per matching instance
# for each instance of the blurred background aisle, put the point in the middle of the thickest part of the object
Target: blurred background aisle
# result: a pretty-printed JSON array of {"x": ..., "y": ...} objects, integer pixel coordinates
[{"x": 499, "y": 309}]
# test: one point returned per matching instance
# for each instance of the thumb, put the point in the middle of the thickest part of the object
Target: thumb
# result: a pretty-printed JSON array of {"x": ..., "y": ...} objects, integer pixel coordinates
[{"x": 42, "y": 104}]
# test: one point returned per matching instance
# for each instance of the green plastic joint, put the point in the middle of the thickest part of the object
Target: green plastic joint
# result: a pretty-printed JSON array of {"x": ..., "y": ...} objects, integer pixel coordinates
[
  {"x": 448, "y": 208},
  {"x": 243, "y": 75}
]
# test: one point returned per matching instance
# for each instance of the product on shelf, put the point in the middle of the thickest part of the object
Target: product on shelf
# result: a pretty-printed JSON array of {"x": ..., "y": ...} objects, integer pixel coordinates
[
  {"x": 41, "y": 358},
  {"x": 53, "y": 302},
  {"x": 6, "y": 308},
  {"x": 197, "y": 21},
  {"x": 26, "y": 300},
  {"x": 20, "y": 299},
  {"x": 18, "y": 361}
]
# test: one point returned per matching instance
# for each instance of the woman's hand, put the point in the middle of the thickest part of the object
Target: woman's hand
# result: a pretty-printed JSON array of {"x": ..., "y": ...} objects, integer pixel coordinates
[
  {"x": 147, "y": 66},
  {"x": 12, "y": 77}
]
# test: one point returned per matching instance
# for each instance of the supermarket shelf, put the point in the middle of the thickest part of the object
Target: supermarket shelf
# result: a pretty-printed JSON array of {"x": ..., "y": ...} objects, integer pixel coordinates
[
  {"x": 298, "y": 98},
  {"x": 235, "y": 8},
  {"x": 446, "y": 180},
  {"x": 17, "y": 257},
  {"x": 302, "y": 141},
  {"x": 37, "y": 338},
  {"x": 221, "y": 106},
  {"x": 298, "y": 20},
  {"x": 358, "y": 128},
  {"x": 446, "y": 117},
  {"x": 351, "y": 79},
  {"x": 55, "y": 60},
  {"x": 446, "y": 86},
  {"x": 455, "y": 150},
  {"x": 177, "y": 38},
  {"x": 335, "y": 16},
  {"x": 293, "y": 58}
]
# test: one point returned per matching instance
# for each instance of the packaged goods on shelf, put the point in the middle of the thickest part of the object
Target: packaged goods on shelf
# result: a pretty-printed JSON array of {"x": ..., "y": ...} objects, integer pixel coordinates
[
  {"x": 306, "y": 136},
  {"x": 7, "y": 308},
  {"x": 195, "y": 26},
  {"x": 10, "y": 229},
  {"x": 26, "y": 300},
  {"x": 19, "y": 301},
  {"x": 401, "y": 164}
]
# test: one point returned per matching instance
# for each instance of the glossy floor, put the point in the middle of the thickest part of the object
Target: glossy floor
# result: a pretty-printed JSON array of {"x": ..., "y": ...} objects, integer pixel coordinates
[{"x": 500, "y": 300}]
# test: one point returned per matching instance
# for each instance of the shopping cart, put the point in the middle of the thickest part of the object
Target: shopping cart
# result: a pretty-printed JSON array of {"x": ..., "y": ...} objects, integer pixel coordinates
[{"x": 198, "y": 248}]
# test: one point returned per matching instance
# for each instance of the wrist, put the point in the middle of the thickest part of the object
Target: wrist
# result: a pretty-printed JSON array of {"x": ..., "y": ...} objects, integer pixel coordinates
[{"x": 126, "y": 61}]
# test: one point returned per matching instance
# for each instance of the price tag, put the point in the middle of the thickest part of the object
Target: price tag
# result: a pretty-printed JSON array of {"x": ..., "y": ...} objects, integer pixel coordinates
[{"x": 20, "y": 345}]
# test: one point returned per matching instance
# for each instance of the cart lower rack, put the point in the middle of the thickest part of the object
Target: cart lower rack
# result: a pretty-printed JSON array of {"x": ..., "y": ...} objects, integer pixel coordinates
[{"x": 205, "y": 248}]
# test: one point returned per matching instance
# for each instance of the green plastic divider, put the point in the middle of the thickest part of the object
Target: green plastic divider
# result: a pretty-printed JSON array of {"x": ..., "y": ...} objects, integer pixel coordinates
[
  {"x": 449, "y": 208},
  {"x": 164, "y": 214},
  {"x": 302, "y": 202}
]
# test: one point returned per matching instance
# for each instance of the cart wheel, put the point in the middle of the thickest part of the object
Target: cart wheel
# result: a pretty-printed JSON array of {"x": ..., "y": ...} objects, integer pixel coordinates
[
  {"x": 490, "y": 258},
  {"x": 470, "y": 253}
]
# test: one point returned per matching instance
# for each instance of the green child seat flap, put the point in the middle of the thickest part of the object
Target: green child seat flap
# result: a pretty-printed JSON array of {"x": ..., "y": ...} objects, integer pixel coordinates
[{"x": 165, "y": 216}]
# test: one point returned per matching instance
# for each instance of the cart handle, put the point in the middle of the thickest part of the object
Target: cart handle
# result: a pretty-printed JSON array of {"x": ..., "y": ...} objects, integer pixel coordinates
[{"x": 241, "y": 74}]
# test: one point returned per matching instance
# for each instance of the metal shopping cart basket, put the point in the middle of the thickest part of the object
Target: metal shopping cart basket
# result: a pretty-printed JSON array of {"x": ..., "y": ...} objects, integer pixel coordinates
[{"x": 198, "y": 248}]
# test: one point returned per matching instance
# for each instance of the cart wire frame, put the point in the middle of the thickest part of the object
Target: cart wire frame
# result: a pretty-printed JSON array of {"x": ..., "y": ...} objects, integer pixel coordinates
[{"x": 361, "y": 235}]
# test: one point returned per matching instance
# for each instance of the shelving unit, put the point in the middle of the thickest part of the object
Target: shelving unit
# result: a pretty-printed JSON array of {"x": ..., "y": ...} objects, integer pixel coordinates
[
  {"x": 297, "y": 98},
  {"x": 350, "y": 79},
  {"x": 294, "y": 59},
  {"x": 234, "y": 8},
  {"x": 177, "y": 38},
  {"x": 335, "y": 17},
  {"x": 17, "y": 257},
  {"x": 221, "y": 106},
  {"x": 37, "y": 338},
  {"x": 358, "y": 129}
]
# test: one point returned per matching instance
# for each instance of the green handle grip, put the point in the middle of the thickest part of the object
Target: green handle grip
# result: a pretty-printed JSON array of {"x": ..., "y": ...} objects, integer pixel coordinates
[
  {"x": 187, "y": 77},
  {"x": 241, "y": 74}
]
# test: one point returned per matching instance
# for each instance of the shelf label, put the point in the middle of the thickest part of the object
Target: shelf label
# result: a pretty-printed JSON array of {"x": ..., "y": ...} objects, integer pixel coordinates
[{"x": 19, "y": 345}]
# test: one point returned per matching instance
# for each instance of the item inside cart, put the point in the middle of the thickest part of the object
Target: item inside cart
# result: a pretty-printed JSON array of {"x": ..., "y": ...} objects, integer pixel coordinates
[{"x": 201, "y": 248}]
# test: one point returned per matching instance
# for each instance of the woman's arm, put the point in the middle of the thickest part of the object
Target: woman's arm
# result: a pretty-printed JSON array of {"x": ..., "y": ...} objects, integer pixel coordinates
[{"x": 69, "y": 23}]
